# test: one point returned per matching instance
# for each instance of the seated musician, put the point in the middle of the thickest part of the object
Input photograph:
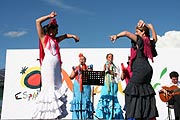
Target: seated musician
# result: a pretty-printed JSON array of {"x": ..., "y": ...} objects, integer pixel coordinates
[{"x": 173, "y": 89}]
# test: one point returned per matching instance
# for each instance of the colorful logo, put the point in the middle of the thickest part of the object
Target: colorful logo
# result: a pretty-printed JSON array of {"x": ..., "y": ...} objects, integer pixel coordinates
[{"x": 31, "y": 78}]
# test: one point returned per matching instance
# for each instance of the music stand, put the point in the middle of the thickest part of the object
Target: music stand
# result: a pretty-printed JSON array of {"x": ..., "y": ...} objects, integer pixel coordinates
[{"x": 93, "y": 78}]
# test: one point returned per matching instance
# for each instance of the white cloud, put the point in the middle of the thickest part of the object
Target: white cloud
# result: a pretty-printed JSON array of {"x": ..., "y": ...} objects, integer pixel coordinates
[
  {"x": 62, "y": 5},
  {"x": 15, "y": 33},
  {"x": 170, "y": 39}
]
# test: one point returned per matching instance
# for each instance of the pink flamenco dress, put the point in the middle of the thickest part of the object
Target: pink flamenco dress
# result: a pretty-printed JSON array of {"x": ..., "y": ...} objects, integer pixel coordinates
[{"x": 51, "y": 101}]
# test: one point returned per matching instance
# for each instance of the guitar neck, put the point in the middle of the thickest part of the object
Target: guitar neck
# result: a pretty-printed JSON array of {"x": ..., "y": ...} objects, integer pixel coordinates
[{"x": 176, "y": 90}]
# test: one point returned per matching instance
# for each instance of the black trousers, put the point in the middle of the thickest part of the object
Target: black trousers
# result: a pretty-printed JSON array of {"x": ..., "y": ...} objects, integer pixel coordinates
[{"x": 175, "y": 101}]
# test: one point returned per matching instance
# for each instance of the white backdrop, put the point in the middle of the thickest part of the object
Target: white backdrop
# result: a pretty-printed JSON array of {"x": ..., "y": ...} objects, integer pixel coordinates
[{"x": 22, "y": 69}]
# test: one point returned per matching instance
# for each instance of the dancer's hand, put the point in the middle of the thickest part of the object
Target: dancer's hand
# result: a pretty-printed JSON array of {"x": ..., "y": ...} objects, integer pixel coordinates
[
  {"x": 141, "y": 23},
  {"x": 113, "y": 38},
  {"x": 76, "y": 38},
  {"x": 52, "y": 14}
]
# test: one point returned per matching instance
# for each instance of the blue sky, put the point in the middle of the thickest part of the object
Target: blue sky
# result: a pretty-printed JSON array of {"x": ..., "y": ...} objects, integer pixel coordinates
[{"x": 92, "y": 20}]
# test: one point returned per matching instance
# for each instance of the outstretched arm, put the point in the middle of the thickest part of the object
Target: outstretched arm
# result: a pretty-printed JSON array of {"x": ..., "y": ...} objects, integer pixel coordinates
[
  {"x": 62, "y": 37},
  {"x": 39, "y": 27},
  {"x": 123, "y": 34}
]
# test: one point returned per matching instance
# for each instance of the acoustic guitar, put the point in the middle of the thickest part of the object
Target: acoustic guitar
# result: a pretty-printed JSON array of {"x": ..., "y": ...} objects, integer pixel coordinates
[{"x": 172, "y": 90}]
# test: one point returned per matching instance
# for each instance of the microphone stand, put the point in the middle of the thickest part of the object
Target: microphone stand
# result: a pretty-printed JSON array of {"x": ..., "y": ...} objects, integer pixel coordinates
[
  {"x": 80, "y": 72},
  {"x": 81, "y": 106},
  {"x": 113, "y": 77}
]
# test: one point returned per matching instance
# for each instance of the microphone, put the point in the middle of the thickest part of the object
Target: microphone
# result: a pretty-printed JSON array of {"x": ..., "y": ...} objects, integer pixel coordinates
[{"x": 90, "y": 67}]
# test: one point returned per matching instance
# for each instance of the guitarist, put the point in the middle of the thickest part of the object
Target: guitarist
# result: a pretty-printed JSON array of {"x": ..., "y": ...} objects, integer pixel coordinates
[{"x": 175, "y": 100}]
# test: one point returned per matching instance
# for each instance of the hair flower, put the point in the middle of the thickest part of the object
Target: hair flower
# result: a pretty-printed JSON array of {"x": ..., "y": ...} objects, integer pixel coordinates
[
  {"x": 53, "y": 21},
  {"x": 80, "y": 55}
]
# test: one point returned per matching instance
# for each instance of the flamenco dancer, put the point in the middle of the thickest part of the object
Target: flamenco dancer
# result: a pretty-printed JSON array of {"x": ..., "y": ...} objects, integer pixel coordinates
[
  {"x": 51, "y": 101},
  {"x": 140, "y": 102}
]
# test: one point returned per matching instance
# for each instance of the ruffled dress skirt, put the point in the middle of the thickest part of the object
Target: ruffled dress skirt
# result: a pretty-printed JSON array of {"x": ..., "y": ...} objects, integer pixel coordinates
[
  {"x": 81, "y": 105},
  {"x": 140, "y": 99},
  {"x": 52, "y": 99},
  {"x": 108, "y": 106}
]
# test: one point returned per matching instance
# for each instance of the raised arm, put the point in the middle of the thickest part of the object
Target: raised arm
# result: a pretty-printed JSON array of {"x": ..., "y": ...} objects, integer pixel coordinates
[
  {"x": 123, "y": 34},
  {"x": 39, "y": 27},
  {"x": 122, "y": 76},
  {"x": 154, "y": 35},
  {"x": 72, "y": 75},
  {"x": 141, "y": 23}
]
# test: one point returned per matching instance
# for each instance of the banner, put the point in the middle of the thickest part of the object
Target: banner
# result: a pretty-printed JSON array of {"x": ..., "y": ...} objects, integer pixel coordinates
[{"x": 22, "y": 77}]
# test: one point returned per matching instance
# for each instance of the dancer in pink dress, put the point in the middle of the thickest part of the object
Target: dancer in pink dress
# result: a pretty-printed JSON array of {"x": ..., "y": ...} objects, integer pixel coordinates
[{"x": 51, "y": 102}]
